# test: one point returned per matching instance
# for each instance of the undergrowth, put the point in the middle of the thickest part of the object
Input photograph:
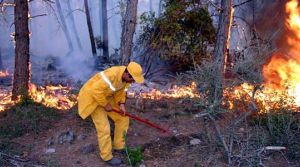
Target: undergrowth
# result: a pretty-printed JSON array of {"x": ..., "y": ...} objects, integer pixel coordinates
[{"x": 26, "y": 117}]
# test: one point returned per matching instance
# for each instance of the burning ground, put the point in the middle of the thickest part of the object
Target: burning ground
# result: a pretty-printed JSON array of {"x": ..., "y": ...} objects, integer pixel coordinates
[{"x": 48, "y": 132}]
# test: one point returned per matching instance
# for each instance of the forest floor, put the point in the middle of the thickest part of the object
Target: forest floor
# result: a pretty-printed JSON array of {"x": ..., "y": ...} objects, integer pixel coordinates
[
  {"x": 69, "y": 141},
  {"x": 32, "y": 135}
]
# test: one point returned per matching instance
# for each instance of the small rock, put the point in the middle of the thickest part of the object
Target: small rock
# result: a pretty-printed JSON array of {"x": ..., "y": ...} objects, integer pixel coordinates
[
  {"x": 197, "y": 115},
  {"x": 50, "y": 142},
  {"x": 142, "y": 165},
  {"x": 87, "y": 149},
  {"x": 195, "y": 141},
  {"x": 67, "y": 136},
  {"x": 50, "y": 150},
  {"x": 82, "y": 136},
  {"x": 242, "y": 129}
]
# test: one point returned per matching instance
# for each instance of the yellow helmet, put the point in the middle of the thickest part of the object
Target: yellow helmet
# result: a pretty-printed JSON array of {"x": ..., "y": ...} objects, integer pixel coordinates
[{"x": 136, "y": 72}]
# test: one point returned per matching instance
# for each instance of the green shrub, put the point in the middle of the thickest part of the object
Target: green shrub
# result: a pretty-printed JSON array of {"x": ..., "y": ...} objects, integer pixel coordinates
[
  {"x": 180, "y": 35},
  {"x": 27, "y": 118},
  {"x": 281, "y": 124},
  {"x": 135, "y": 155},
  {"x": 9, "y": 147},
  {"x": 50, "y": 160}
]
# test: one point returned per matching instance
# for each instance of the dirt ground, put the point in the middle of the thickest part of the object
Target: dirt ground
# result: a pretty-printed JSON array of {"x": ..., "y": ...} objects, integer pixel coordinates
[
  {"x": 172, "y": 149},
  {"x": 159, "y": 149}
]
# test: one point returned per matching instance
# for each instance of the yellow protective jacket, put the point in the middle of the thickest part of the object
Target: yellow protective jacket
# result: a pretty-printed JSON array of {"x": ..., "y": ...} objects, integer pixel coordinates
[{"x": 98, "y": 92}]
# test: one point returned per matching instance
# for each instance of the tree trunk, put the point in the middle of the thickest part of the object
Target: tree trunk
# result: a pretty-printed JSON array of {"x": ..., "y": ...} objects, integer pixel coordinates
[
  {"x": 151, "y": 5},
  {"x": 222, "y": 45},
  {"x": 159, "y": 8},
  {"x": 105, "y": 30},
  {"x": 73, "y": 25},
  {"x": 64, "y": 26},
  {"x": 21, "y": 73},
  {"x": 90, "y": 28},
  {"x": 128, "y": 29},
  {"x": 1, "y": 64}
]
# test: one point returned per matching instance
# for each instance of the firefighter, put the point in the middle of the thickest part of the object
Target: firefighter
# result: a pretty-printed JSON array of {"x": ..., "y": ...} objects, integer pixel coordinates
[{"x": 102, "y": 93}]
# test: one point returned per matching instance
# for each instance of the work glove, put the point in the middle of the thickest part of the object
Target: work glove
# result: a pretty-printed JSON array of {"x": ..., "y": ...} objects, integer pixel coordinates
[
  {"x": 108, "y": 107},
  {"x": 123, "y": 109}
]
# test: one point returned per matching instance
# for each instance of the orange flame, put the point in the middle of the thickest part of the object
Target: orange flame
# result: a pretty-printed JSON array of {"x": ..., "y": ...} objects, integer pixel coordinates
[
  {"x": 282, "y": 72},
  {"x": 58, "y": 97},
  {"x": 175, "y": 92},
  {"x": 4, "y": 73},
  {"x": 281, "y": 75},
  {"x": 5, "y": 99},
  {"x": 53, "y": 96}
]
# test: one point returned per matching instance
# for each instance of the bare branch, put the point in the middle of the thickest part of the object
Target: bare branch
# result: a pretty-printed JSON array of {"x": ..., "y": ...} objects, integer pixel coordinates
[
  {"x": 252, "y": 107},
  {"x": 49, "y": 1},
  {"x": 37, "y": 16},
  {"x": 240, "y": 4},
  {"x": 217, "y": 128},
  {"x": 80, "y": 10}
]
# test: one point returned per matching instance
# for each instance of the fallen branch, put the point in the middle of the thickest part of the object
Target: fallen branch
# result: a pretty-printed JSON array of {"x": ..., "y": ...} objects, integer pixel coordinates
[
  {"x": 217, "y": 128},
  {"x": 15, "y": 158},
  {"x": 275, "y": 148}
]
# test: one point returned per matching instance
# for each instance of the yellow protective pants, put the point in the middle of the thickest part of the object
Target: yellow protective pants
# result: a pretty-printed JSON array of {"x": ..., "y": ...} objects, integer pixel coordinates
[{"x": 100, "y": 119}]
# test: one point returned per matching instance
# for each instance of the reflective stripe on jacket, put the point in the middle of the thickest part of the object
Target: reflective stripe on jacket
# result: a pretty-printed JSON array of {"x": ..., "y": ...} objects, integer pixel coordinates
[{"x": 99, "y": 91}]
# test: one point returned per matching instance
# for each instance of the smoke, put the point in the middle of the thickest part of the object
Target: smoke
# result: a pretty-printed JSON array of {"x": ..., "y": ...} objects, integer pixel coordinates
[
  {"x": 77, "y": 65},
  {"x": 270, "y": 23},
  {"x": 48, "y": 40}
]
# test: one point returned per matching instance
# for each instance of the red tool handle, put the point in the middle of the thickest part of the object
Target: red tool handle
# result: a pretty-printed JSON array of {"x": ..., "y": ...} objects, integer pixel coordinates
[{"x": 144, "y": 121}]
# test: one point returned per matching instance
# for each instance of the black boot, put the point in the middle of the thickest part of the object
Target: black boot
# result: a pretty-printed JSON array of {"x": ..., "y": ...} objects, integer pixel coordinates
[
  {"x": 120, "y": 152},
  {"x": 114, "y": 161}
]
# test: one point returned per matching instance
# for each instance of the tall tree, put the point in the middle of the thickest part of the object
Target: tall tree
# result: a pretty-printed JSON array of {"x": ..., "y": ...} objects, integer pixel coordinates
[
  {"x": 105, "y": 29},
  {"x": 222, "y": 44},
  {"x": 21, "y": 73},
  {"x": 128, "y": 29},
  {"x": 73, "y": 24},
  {"x": 90, "y": 28},
  {"x": 64, "y": 26},
  {"x": 150, "y": 5},
  {"x": 1, "y": 64}
]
